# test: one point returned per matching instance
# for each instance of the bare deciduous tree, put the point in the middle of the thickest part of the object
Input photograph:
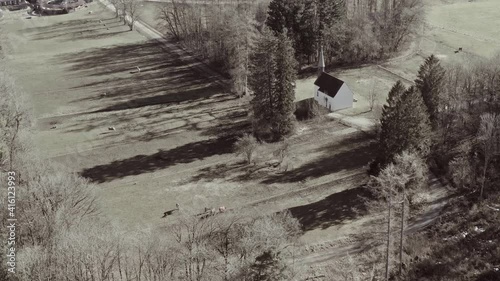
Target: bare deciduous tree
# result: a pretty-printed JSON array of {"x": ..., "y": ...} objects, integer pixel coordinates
[
  {"x": 132, "y": 11},
  {"x": 246, "y": 145},
  {"x": 488, "y": 137},
  {"x": 373, "y": 97},
  {"x": 117, "y": 5},
  {"x": 14, "y": 116},
  {"x": 397, "y": 182}
]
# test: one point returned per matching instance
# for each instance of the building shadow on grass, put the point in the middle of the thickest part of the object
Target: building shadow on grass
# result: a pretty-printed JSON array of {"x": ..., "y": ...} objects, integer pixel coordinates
[
  {"x": 141, "y": 164},
  {"x": 334, "y": 209}
]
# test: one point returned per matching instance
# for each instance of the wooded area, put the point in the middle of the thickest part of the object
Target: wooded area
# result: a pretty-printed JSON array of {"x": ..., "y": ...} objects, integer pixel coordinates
[
  {"x": 449, "y": 120},
  {"x": 351, "y": 32}
]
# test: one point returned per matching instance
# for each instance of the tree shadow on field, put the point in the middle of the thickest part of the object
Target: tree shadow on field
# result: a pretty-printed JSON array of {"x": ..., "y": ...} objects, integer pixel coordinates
[
  {"x": 355, "y": 152},
  {"x": 220, "y": 171},
  {"x": 78, "y": 30},
  {"x": 165, "y": 82},
  {"x": 333, "y": 209},
  {"x": 175, "y": 98},
  {"x": 234, "y": 123},
  {"x": 141, "y": 164},
  {"x": 136, "y": 74}
]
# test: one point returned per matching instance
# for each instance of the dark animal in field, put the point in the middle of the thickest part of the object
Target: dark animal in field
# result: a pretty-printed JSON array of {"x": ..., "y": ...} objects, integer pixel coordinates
[{"x": 168, "y": 213}]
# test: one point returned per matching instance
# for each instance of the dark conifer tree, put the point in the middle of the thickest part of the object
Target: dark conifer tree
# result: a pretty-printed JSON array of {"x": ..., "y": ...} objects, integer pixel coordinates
[
  {"x": 273, "y": 75},
  {"x": 430, "y": 82},
  {"x": 307, "y": 35},
  {"x": 387, "y": 127},
  {"x": 286, "y": 74},
  {"x": 405, "y": 126},
  {"x": 262, "y": 81},
  {"x": 267, "y": 267}
]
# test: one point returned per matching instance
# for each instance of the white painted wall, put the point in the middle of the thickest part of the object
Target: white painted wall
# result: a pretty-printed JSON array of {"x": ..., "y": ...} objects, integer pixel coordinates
[{"x": 343, "y": 99}]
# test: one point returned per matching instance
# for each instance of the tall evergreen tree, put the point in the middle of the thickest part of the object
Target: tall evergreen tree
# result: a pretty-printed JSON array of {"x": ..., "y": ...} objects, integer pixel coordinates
[
  {"x": 415, "y": 123},
  {"x": 286, "y": 74},
  {"x": 387, "y": 127},
  {"x": 267, "y": 267},
  {"x": 405, "y": 126},
  {"x": 298, "y": 18},
  {"x": 281, "y": 15},
  {"x": 393, "y": 98},
  {"x": 273, "y": 74},
  {"x": 307, "y": 36},
  {"x": 262, "y": 81},
  {"x": 329, "y": 11},
  {"x": 430, "y": 82}
]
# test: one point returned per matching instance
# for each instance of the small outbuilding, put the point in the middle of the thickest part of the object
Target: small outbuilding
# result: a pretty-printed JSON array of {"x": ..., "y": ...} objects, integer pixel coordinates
[{"x": 331, "y": 92}]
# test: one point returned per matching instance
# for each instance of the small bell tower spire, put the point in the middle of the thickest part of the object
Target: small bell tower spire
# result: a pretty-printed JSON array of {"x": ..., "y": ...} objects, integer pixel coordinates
[{"x": 321, "y": 62}]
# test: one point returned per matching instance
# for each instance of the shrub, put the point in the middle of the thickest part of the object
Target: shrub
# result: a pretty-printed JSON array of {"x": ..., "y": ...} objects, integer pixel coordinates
[
  {"x": 308, "y": 109},
  {"x": 246, "y": 145}
]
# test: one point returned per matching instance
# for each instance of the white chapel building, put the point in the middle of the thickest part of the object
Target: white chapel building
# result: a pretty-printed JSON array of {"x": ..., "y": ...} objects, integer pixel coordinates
[{"x": 331, "y": 92}]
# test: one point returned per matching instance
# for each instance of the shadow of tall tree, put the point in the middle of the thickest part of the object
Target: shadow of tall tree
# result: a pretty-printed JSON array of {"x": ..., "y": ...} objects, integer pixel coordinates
[
  {"x": 333, "y": 209},
  {"x": 141, "y": 164},
  {"x": 330, "y": 163}
]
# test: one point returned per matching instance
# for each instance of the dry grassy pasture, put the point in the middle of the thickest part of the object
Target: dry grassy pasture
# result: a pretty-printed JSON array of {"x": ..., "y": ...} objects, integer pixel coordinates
[{"x": 175, "y": 127}]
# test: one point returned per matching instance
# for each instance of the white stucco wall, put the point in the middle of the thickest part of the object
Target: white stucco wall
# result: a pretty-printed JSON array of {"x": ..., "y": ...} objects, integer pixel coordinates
[{"x": 343, "y": 99}]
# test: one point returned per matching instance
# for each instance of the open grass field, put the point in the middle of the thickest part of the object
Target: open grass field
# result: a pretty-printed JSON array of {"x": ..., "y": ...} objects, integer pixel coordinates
[{"x": 175, "y": 127}]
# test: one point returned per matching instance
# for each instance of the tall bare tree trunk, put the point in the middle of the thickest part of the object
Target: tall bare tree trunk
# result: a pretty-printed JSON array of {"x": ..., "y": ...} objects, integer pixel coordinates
[
  {"x": 387, "y": 251},
  {"x": 12, "y": 144},
  {"x": 485, "y": 168},
  {"x": 246, "y": 66},
  {"x": 401, "y": 239}
]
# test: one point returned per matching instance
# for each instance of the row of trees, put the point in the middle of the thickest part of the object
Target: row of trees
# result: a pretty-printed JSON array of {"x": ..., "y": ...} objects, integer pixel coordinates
[
  {"x": 406, "y": 139},
  {"x": 410, "y": 117},
  {"x": 127, "y": 10},
  {"x": 221, "y": 33}
]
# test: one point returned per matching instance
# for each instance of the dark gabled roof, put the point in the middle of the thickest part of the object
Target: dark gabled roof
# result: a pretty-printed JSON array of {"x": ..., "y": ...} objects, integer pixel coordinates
[{"x": 328, "y": 84}]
